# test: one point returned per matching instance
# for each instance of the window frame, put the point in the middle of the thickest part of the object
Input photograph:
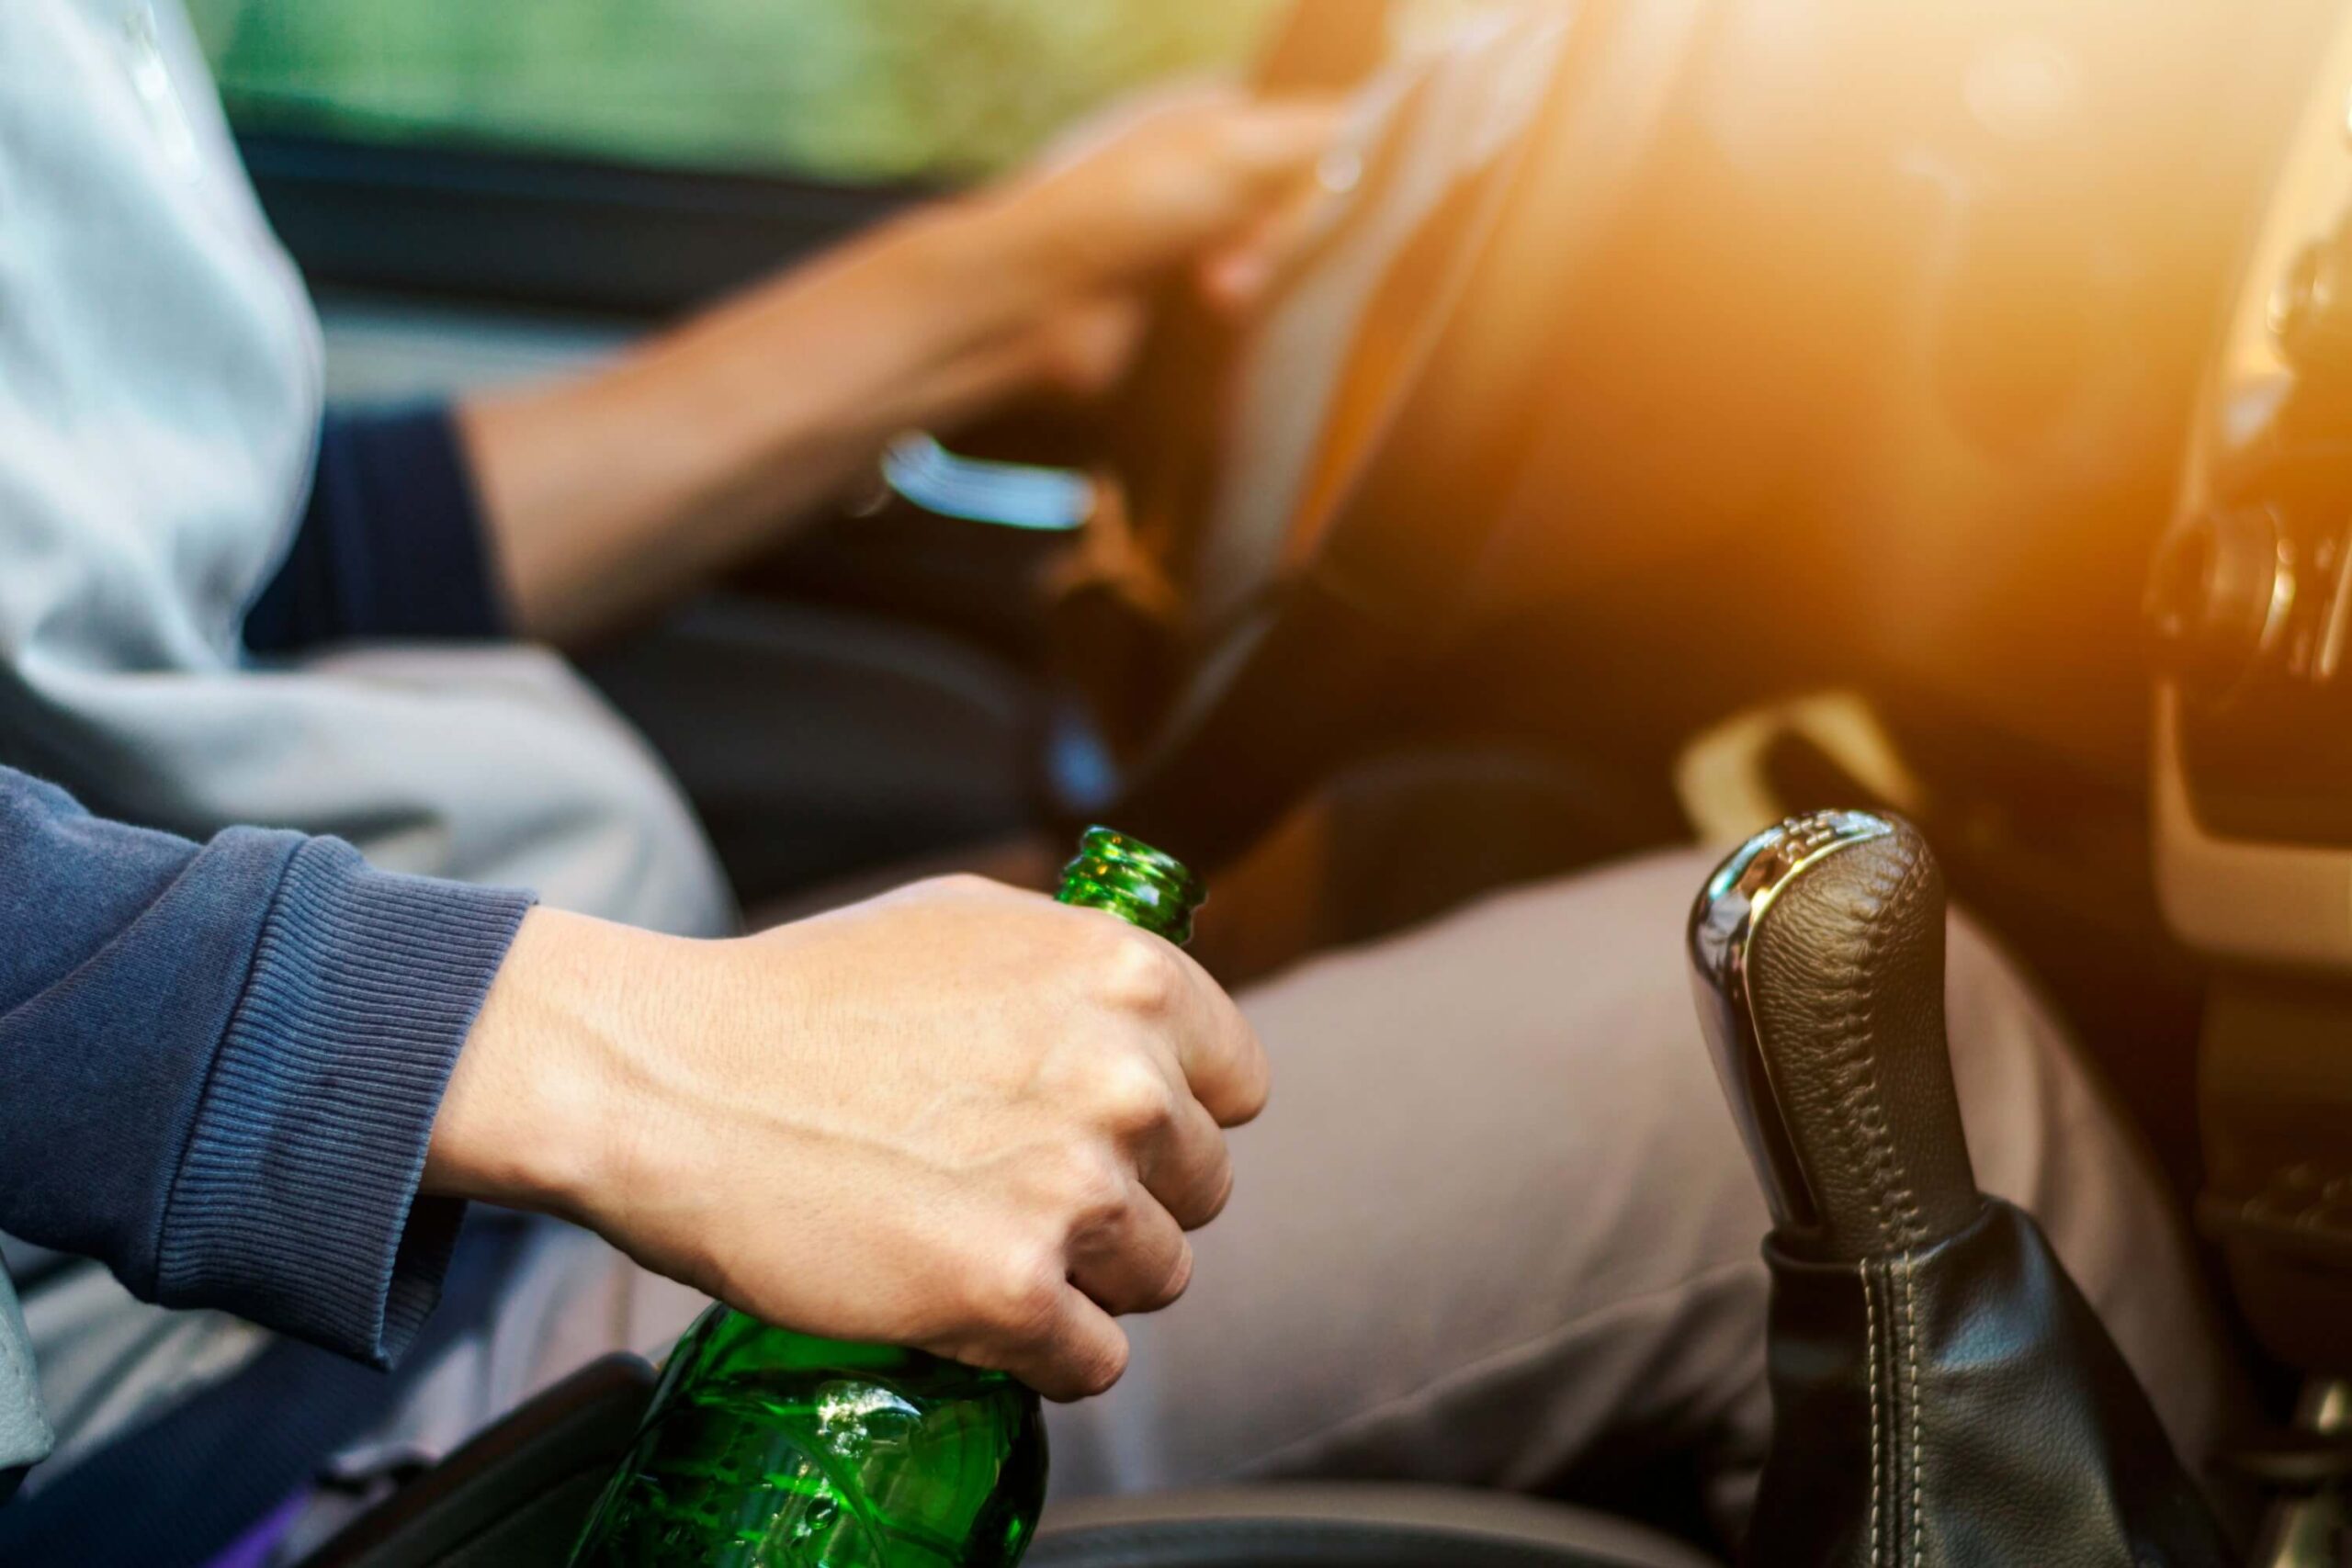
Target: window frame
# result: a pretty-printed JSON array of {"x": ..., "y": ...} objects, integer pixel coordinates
[{"x": 541, "y": 230}]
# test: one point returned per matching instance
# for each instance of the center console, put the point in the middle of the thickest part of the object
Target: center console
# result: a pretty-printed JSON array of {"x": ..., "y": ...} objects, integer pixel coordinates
[{"x": 2250, "y": 617}]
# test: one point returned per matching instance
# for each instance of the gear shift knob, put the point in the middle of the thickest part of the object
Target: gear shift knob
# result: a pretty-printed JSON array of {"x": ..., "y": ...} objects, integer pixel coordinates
[
  {"x": 1818, "y": 962},
  {"x": 1943, "y": 1396}
]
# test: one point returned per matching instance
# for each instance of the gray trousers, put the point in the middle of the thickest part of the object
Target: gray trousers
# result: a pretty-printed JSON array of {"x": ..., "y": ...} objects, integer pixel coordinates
[{"x": 1495, "y": 1228}]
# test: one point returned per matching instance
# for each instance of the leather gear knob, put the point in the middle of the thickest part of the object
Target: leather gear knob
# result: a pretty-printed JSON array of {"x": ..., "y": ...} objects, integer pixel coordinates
[
  {"x": 1819, "y": 959},
  {"x": 1943, "y": 1395}
]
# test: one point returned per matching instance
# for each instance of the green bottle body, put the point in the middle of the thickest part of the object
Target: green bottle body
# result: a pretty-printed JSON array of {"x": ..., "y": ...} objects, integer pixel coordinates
[{"x": 768, "y": 1448}]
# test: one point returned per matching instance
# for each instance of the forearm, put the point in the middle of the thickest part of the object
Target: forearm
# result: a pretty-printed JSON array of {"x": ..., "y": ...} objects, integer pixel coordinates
[{"x": 607, "y": 493}]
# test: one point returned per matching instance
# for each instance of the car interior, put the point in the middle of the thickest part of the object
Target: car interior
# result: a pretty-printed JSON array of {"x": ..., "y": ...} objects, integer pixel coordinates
[{"x": 1684, "y": 414}]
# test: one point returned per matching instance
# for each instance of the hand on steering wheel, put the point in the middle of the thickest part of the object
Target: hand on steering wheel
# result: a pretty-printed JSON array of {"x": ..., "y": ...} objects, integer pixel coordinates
[{"x": 1205, "y": 179}]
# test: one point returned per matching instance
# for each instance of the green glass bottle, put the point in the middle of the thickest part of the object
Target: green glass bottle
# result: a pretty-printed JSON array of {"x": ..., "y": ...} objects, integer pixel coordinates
[{"x": 768, "y": 1448}]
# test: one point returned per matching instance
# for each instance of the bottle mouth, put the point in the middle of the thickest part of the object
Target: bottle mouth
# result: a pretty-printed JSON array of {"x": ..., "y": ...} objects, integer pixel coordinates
[{"x": 1120, "y": 873}]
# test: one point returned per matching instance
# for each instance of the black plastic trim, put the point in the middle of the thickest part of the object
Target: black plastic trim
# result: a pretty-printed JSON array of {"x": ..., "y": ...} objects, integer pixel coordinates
[{"x": 506, "y": 227}]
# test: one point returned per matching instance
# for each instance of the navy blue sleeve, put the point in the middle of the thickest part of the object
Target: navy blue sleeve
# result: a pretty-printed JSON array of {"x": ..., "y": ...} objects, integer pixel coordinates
[
  {"x": 219, "y": 1063},
  {"x": 390, "y": 545}
]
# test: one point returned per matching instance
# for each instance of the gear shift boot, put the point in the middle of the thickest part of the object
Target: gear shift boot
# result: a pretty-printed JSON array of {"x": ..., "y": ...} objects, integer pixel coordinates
[{"x": 1961, "y": 1405}]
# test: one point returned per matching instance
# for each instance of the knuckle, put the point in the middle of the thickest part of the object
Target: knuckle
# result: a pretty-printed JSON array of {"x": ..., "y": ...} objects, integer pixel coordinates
[
  {"x": 1088, "y": 1187},
  {"x": 1142, "y": 975},
  {"x": 1021, "y": 1298},
  {"x": 1232, "y": 137},
  {"x": 1133, "y": 1097}
]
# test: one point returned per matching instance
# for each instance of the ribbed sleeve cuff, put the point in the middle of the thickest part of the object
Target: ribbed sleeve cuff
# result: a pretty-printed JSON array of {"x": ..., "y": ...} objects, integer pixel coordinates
[{"x": 296, "y": 1203}]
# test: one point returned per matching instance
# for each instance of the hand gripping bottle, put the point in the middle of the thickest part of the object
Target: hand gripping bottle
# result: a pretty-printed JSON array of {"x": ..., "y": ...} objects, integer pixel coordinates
[{"x": 768, "y": 1448}]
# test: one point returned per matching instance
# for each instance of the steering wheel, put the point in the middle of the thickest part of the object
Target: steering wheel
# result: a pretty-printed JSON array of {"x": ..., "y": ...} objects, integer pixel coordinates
[
  {"x": 1304, "y": 497},
  {"x": 1895, "y": 306}
]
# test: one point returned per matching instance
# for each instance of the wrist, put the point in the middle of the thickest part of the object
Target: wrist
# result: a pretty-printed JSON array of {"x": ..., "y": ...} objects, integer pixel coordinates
[
  {"x": 1019, "y": 305},
  {"x": 970, "y": 278},
  {"x": 886, "y": 334},
  {"x": 529, "y": 1119}
]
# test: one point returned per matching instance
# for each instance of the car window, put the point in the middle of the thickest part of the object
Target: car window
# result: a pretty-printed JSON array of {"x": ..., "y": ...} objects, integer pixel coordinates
[{"x": 851, "y": 91}]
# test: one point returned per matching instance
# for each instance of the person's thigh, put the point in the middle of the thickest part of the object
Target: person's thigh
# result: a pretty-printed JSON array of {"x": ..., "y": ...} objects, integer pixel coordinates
[{"x": 1496, "y": 1226}]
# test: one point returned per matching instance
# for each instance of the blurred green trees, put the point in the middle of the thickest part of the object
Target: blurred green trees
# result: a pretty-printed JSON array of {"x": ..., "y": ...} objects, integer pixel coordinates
[{"x": 837, "y": 89}]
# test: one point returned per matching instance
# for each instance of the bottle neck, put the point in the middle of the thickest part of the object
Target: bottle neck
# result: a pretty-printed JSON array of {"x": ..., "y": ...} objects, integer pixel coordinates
[{"x": 1126, "y": 877}]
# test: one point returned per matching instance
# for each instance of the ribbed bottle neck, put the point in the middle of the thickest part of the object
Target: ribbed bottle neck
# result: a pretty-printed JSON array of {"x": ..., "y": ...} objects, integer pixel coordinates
[{"x": 1128, "y": 877}]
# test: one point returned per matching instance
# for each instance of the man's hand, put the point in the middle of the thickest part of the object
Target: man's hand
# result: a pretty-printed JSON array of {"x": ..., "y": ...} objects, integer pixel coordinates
[
  {"x": 1204, "y": 182},
  {"x": 604, "y": 495},
  {"x": 960, "y": 1117}
]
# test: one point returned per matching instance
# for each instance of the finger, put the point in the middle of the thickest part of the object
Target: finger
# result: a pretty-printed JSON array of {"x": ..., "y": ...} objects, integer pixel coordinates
[
  {"x": 1086, "y": 352},
  {"x": 1189, "y": 1171},
  {"x": 1136, "y": 1261},
  {"x": 1274, "y": 141},
  {"x": 1235, "y": 275},
  {"x": 1223, "y": 1062},
  {"x": 1079, "y": 1353},
  {"x": 1090, "y": 133}
]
